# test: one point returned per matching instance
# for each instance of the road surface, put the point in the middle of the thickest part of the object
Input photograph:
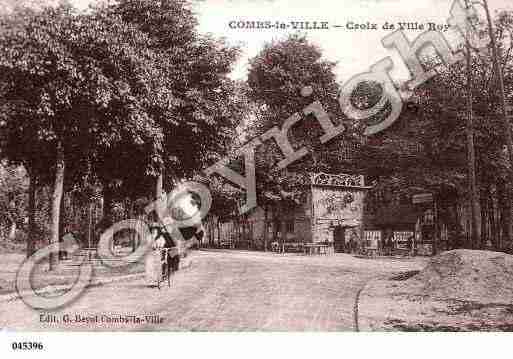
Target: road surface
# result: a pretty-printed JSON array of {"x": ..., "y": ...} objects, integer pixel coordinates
[{"x": 223, "y": 291}]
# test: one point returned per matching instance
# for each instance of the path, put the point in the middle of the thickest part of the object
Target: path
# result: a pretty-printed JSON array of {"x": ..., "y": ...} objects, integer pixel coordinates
[{"x": 226, "y": 290}]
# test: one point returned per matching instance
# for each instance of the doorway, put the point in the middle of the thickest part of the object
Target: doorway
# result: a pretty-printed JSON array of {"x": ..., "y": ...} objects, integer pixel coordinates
[{"x": 339, "y": 239}]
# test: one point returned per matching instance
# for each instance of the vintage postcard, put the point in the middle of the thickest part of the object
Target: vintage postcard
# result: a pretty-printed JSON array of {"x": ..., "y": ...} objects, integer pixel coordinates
[{"x": 256, "y": 166}]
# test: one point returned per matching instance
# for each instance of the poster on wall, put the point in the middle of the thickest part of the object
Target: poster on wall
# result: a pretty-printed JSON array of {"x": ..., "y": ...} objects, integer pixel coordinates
[{"x": 337, "y": 205}]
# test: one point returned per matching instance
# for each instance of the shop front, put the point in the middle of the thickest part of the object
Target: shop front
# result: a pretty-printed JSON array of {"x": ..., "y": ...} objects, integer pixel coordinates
[
  {"x": 337, "y": 210},
  {"x": 391, "y": 229}
]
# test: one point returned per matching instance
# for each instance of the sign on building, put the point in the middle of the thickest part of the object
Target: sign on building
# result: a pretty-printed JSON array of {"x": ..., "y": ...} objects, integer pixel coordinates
[{"x": 422, "y": 198}]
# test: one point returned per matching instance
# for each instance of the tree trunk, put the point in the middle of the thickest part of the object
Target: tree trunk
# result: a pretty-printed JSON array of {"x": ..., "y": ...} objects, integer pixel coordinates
[
  {"x": 484, "y": 217},
  {"x": 436, "y": 236},
  {"x": 283, "y": 227},
  {"x": 108, "y": 212},
  {"x": 12, "y": 227},
  {"x": 283, "y": 234},
  {"x": 218, "y": 232},
  {"x": 90, "y": 225},
  {"x": 493, "y": 219},
  {"x": 266, "y": 224},
  {"x": 238, "y": 231},
  {"x": 471, "y": 156},
  {"x": 62, "y": 224},
  {"x": 12, "y": 231},
  {"x": 56, "y": 203},
  {"x": 505, "y": 121},
  {"x": 32, "y": 215},
  {"x": 132, "y": 234},
  {"x": 504, "y": 210},
  {"x": 211, "y": 232},
  {"x": 245, "y": 232},
  {"x": 108, "y": 203},
  {"x": 159, "y": 191},
  {"x": 276, "y": 225},
  {"x": 242, "y": 230},
  {"x": 499, "y": 219}
]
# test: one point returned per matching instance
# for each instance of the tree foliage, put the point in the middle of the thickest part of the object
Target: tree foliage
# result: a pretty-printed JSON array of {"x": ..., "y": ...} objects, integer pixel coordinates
[
  {"x": 276, "y": 78},
  {"x": 109, "y": 95}
]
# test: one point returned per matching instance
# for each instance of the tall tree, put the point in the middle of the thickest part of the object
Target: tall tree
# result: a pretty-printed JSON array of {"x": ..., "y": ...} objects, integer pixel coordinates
[
  {"x": 425, "y": 149},
  {"x": 276, "y": 79},
  {"x": 202, "y": 105},
  {"x": 277, "y": 76},
  {"x": 37, "y": 77},
  {"x": 76, "y": 86}
]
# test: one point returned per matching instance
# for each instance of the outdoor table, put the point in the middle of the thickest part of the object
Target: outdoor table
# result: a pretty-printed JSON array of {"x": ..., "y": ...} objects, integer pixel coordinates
[
  {"x": 405, "y": 252},
  {"x": 372, "y": 252},
  {"x": 311, "y": 248},
  {"x": 324, "y": 248},
  {"x": 296, "y": 246}
]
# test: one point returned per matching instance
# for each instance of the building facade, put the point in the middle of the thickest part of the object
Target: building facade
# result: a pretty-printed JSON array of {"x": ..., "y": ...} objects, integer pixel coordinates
[
  {"x": 343, "y": 211},
  {"x": 330, "y": 210}
]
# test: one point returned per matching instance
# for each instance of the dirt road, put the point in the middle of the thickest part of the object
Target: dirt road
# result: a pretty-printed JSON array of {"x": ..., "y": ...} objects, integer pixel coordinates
[{"x": 222, "y": 291}]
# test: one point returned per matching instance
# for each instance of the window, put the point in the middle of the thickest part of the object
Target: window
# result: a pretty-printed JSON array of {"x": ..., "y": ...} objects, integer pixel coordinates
[
  {"x": 401, "y": 238},
  {"x": 290, "y": 226},
  {"x": 428, "y": 218},
  {"x": 371, "y": 238}
]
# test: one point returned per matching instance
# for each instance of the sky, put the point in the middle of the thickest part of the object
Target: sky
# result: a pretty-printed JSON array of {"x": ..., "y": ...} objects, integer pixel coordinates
[{"x": 353, "y": 50}]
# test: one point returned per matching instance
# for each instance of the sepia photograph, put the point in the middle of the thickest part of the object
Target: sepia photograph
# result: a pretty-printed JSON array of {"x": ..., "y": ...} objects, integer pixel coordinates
[{"x": 255, "y": 166}]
